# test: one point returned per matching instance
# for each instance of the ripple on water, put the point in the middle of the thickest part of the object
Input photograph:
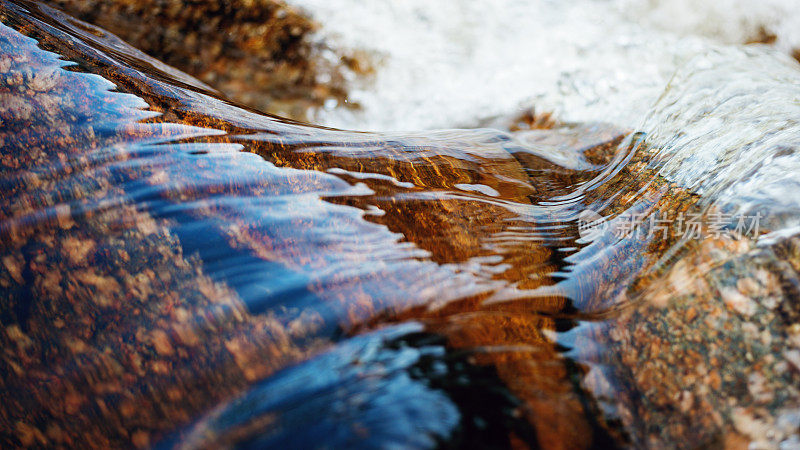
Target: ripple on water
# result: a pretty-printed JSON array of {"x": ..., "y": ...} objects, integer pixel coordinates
[{"x": 218, "y": 275}]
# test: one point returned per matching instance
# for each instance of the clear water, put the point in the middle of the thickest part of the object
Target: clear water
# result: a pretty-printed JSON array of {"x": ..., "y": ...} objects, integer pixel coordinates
[{"x": 180, "y": 271}]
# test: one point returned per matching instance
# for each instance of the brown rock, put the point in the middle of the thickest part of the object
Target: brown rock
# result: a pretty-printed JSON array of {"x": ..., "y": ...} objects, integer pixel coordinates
[{"x": 161, "y": 342}]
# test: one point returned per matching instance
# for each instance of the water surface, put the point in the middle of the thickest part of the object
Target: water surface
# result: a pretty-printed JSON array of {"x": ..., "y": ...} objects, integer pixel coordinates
[{"x": 178, "y": 270}]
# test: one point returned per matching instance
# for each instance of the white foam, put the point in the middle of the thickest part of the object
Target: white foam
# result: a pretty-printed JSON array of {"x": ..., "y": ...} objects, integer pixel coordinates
[
  {"x": 451, "y": 63},
  {"x": 725, "y": 21}
]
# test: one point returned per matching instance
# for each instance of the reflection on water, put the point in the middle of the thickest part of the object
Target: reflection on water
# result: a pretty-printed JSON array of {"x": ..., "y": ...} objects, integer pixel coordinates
[{"x": 177, "y": 270}]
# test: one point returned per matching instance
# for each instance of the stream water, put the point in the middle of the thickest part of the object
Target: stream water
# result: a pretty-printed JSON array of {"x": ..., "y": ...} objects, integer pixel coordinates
[{"x": 181, "y": 271}]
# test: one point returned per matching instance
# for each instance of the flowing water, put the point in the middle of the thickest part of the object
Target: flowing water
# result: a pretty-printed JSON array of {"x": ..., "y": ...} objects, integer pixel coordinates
[
  {"x": 465, "y": 61},
  {"x": 181, "y": 271}
]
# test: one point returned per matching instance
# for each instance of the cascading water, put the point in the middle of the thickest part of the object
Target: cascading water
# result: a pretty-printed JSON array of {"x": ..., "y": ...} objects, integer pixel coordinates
[{"x": 181, "y": 271}]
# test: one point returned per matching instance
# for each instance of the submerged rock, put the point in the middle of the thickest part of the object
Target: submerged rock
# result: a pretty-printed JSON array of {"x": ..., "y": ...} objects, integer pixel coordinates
[
  {"x": 125, "y": 184},
  {"x": 706, "y": 358},
  {"x": 176, "y": 270}
]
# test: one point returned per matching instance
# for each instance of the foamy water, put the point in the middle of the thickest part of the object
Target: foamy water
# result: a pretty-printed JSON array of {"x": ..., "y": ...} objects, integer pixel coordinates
[
  {"x": 724, "y": 115},
  {"x": 454, "y": 63}
]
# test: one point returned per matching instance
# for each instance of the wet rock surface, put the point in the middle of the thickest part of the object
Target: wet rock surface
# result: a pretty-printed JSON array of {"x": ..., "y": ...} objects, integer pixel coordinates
[
  {"x": 709, "y": 356},
  {"x": 176, "y": 270},
  {"x": 258, "y": 53},
  {"x": 103, "y": 315}
]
